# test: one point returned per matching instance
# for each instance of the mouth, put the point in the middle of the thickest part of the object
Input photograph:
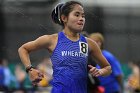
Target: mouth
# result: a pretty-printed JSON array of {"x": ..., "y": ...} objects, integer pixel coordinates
[{"x": 80, "y": 24}]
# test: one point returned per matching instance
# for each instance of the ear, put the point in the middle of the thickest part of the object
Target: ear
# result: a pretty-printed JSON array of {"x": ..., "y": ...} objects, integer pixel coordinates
[{"x": 64, "y": 18}]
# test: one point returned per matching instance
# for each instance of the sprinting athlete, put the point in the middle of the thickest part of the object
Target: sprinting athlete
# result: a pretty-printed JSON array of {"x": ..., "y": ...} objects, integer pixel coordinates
[{"x": 69, "y": 50}]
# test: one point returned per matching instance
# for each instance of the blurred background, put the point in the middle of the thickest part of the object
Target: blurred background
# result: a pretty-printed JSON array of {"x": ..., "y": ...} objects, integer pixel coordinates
[{"x": 25, "y": 20}]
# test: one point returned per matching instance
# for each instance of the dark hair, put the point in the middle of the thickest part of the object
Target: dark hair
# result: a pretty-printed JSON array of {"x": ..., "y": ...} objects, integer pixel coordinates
[{"x": 63, "y": 9}]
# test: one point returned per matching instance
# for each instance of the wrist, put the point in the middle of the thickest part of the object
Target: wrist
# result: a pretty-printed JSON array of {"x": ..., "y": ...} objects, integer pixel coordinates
[
  {"x": 102, "y": 72},
  {"x": 106, "y": 71},
  {"x": 28, "y": 68}
]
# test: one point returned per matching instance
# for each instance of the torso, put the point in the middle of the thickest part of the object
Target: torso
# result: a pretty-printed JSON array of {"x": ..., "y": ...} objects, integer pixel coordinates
[{"x": 69, "y": 62}]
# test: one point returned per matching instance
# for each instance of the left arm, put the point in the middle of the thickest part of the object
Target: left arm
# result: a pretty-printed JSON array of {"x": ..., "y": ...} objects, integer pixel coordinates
[{"x": 101, "y": 60}]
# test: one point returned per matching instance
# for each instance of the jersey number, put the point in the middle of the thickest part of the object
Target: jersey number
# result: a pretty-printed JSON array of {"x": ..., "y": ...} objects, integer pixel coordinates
[{"x": 83, "y": 47}]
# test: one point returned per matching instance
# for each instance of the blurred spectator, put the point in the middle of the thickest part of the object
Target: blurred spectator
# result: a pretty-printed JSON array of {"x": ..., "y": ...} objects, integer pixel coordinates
[
  {"x": 6, "y": 76},
  {"x": 134, "y": 78},
  {"x": 114, "y": 82},
  {"x": 20, "y": 76},
  {"x": 46, "y": 68},
  {"x": 3, "y": 87},
  {"x": 9, "y": 77},
  {"x": 23, "y": 82}
]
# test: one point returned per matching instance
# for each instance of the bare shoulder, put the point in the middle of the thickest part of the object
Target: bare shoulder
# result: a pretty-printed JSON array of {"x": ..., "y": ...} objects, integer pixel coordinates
[
  {"x": 91, "y": 42},
  {"x": 50, "y": 38},
  {"x": 45, "y": 41},
  {"x": 54, "y": 36},
  {"x": 53, "y": 39}
]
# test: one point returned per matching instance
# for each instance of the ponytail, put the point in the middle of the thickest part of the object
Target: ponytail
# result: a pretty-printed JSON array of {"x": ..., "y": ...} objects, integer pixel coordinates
[{"x": 56, "y": 14}]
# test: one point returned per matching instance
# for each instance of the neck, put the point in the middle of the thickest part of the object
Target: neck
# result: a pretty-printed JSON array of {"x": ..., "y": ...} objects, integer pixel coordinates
[{"x": 72, "y": 35}]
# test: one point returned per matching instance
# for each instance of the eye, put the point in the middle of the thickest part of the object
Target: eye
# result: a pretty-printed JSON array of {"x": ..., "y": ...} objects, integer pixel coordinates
[
  {"x": 77, "y": 15},
  {"x": 83, "y": 16}
]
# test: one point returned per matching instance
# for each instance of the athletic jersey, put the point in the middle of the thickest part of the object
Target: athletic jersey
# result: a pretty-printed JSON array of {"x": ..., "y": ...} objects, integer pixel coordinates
[{"x": 69, "y": 61}]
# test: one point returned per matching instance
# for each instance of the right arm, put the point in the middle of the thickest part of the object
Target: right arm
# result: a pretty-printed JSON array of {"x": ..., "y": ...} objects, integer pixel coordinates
[
  {"x": 40, "y": 43},
  {"x": 25, "y": 49}
]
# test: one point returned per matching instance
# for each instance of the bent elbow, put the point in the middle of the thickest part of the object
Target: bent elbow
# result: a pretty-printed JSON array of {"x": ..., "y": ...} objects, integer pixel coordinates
[
  {"x": 19, "y": 49},
  {"x": 22, "y": 49}
]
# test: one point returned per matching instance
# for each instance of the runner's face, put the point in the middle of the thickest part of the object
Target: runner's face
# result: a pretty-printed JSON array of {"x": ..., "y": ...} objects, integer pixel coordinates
[{"x": 76, "y": 19}]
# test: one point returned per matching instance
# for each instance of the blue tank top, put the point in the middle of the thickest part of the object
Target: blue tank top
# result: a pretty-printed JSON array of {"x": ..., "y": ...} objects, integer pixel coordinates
[{"x": 69, "y": 61}]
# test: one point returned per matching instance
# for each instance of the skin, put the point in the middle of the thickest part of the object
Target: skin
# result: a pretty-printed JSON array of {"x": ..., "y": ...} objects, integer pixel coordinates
[{"x": 73, "y": 24}]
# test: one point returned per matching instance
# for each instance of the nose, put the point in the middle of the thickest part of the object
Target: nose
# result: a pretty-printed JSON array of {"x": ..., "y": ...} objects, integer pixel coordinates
[{"x": 82, "y": 18}]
